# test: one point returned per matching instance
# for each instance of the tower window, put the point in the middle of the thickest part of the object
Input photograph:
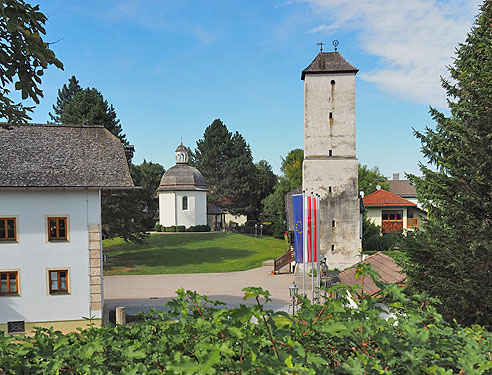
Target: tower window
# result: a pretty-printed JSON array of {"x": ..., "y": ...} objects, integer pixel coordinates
[
  {"x": 331, "y": 114},
  {"x": 333, "y": 223},
  {"x": 330, "y": 153},
  {"x": 185, "y": 203},
  {"x": 332, "y": 247},
  {"x": 332, "y": 82},
  {"x": 329, "y": 189}
]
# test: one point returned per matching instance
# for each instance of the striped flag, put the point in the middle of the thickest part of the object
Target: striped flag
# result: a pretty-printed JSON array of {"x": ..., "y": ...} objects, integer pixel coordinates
[{"x": 298, "y": 228}]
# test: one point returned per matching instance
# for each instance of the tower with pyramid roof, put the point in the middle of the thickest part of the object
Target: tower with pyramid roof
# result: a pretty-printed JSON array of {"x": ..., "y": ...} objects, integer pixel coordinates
[{"x": 330, "y": 166}]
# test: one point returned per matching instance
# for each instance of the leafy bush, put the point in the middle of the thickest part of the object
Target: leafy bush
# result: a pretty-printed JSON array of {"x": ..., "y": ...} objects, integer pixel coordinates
[
  {"x": 171, "y": 228},
  {"x": 180, "y": 228},
  {"x": 195, "y": 336},
  {"x": 158, "y": 227},
  {"x": 250, "y": 223},
  {"x": 199, "y": 228}
]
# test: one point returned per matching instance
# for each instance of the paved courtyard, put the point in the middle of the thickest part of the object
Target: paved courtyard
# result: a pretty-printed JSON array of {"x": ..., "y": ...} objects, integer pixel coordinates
[{"x": 140, "y": 293}]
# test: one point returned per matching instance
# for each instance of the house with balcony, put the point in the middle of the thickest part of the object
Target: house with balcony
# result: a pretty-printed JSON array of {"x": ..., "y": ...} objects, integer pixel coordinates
[{"x": 392, "y": 212}]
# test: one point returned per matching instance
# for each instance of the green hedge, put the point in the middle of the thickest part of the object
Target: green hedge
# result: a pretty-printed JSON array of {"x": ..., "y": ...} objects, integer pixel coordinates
[{"x": 196, "y": 336}]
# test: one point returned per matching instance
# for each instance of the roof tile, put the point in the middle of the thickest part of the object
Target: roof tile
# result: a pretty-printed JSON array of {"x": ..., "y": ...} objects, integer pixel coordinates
[{"x": 383, "y": 198}]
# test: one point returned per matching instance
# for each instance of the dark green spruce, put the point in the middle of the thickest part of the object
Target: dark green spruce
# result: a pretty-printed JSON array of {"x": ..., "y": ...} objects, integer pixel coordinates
[{"x": 451, "y": 257}]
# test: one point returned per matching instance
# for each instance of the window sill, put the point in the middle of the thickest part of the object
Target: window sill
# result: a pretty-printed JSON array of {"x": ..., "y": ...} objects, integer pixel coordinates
[
  {"x": 59, "y": 294},
  {"x": 9, "y": 241},
  {"x": 58, "y": 240},
  {"x": 3, "y": 295}
]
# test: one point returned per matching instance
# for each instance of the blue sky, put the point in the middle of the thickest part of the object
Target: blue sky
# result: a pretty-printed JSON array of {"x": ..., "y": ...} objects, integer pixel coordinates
[{"x": 171, "y": 67}]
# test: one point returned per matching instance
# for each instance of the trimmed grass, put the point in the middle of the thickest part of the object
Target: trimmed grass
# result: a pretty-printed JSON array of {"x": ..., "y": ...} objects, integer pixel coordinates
[{"x": 189, "y": 253}]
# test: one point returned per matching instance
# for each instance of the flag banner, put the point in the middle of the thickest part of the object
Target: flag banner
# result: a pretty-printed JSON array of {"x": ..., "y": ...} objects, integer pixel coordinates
[
  {"x": 309, "y": 209},
  {"x": 298, "y": 228},
  {"x": 313, "y": 254}
]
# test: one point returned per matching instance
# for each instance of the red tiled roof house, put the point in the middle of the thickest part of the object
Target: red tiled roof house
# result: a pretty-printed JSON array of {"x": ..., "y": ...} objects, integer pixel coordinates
[{"x": 392, "y": 212}]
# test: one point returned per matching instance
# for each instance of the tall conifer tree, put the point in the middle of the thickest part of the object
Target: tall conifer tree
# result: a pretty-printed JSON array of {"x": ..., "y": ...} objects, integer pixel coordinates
[
  {"x": 226, "y": 162},
  {"x": 451, "y": 257},
  {"x": 65, "y": 96}
]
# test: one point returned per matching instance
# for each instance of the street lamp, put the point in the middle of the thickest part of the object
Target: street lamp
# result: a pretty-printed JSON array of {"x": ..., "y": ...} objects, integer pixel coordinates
[
  {"x": 293, "y": 293},
  {"x": 261, "y": 231},
  {"x": 256, "y": 229}
]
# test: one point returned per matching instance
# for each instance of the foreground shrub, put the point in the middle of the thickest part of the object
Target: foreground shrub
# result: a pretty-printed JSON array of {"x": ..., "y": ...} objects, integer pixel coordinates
[
  {"x": 196, "y": 336},
  {"x": 180, "y": 228},
  {"x": 199, "y": 228}
]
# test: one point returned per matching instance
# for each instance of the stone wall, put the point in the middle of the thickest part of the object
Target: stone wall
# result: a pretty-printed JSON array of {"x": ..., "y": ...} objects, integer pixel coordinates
[{"x": 95, "y": 266}]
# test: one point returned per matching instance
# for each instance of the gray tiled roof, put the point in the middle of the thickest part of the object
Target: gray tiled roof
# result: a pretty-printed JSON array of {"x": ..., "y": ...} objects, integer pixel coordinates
[
  {"x": 329, "y": 62},
  {"x": 40, "y": 156},
  {"x": 182, "y": 177},
  {"x": 403, "y": 188}
]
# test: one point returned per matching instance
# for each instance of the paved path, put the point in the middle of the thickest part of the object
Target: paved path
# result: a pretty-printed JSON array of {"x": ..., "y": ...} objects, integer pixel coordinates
[{"x": 140, "y": 293}]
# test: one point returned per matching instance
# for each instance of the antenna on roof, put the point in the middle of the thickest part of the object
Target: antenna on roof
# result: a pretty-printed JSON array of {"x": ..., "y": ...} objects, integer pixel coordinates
[
  {"x": 321, "y": 44},
  {"x": 335, "y": 44}
]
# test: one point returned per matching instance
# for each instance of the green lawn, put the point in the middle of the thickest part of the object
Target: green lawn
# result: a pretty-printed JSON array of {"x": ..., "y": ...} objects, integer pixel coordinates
[{"x": 189, "y": 253}]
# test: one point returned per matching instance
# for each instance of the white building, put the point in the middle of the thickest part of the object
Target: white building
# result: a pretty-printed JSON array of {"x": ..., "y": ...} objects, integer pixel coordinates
[
  {"x": 182, "y": 194},
  {"x": 50, "y": 222},
  {"x": 330, "y": 166}
]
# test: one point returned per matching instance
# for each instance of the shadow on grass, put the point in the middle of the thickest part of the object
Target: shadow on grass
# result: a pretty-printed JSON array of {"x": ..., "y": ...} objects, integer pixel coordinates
[{"x": 172, "y": 258}]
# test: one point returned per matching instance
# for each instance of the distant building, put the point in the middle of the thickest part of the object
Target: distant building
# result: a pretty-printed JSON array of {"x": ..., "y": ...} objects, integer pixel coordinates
[
  {"x": 330, "y": 166},
  {"x": 182, "y": 194},
  {"x": 403, "y": 188},
  {"x": 51, "y": 182},
  {"x": 391, "y": 212}
]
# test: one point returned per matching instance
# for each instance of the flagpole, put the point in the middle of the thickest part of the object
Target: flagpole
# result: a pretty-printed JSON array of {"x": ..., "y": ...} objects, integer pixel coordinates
[
  {"x": 318, "y": 255},
  {"x": 304, "y": 242},
  {"x": 312, "y": 247}
]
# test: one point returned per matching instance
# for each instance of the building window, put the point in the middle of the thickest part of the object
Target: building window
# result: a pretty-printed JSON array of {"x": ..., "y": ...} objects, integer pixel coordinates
[
  {"x": 9, "y": 283},
  {"x": 330, "y": 153},
  {"x": 392, "y": 220},
  {"x": 16, "y": 327},
  {"x": 58, "y": 281},
  {"x": 57, "y": 228},
  {"x": 185, "y": 203},
  {"x": 8, "y": 229},
  {"x": 392, "y": 215},
  {"x": 333, "y": 223}
]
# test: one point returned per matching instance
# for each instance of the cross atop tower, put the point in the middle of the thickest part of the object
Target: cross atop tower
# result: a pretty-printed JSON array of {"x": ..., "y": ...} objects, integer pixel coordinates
[{"x": 321, "y": 44}]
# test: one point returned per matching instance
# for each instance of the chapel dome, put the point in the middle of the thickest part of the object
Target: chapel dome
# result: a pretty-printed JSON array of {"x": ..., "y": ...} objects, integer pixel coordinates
[{"x": 182, "y": 176}]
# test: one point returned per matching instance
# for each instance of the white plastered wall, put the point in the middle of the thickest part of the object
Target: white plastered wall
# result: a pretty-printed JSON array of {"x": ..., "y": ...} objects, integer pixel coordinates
[
  {"x": 171, "y": 208},
  {"x": 32, "y": 255}
]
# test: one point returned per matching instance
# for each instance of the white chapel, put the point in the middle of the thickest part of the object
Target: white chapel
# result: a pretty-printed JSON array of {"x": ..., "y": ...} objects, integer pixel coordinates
[{"x": 182, "y": 194}]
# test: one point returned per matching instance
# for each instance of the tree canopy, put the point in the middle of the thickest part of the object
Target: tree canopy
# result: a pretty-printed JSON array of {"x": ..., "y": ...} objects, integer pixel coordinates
[
  {"x": 86, "y": 106},
  {"x": 226, "y": 162},
  {"x": 24, "y": 56},
  {"x": 450, "y": 257},
  {"x": 65, "y": 96},
  {"x": 292, "y": 167},
  {"x": 370, "y": 178}
]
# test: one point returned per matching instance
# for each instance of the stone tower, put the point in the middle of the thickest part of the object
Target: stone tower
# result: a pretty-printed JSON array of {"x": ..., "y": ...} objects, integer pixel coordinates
[{"x": 330, "y": 166}]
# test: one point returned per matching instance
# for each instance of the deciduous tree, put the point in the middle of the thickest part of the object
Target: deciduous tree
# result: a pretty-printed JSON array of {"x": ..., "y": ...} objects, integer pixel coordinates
[
  {"x": 451, "y": 257},
  {"x": 370, "y": 178},
  {"x": 24, "y": 56}
]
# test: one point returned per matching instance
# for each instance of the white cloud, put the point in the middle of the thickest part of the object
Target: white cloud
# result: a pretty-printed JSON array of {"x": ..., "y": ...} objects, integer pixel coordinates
[{"x": 414, "y": 39}]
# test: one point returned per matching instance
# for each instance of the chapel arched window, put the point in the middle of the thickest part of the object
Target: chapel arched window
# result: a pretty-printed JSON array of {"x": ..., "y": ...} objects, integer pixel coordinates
[{"x": 185, "y": 203}]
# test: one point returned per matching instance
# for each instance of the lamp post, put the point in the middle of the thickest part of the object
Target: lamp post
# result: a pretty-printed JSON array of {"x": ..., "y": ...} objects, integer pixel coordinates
[
  {"x": 293, "y": 292},
  {"x": 261, "y": 231},
  {"x": 256, "y": 229}
]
